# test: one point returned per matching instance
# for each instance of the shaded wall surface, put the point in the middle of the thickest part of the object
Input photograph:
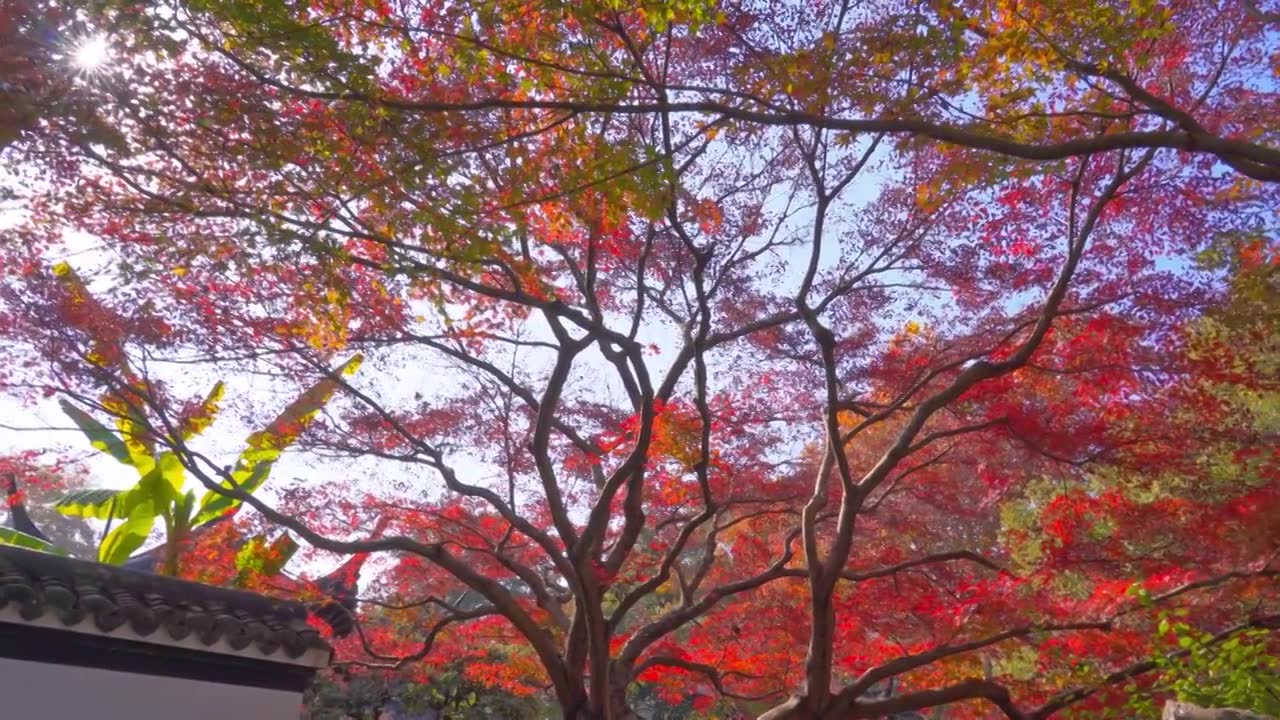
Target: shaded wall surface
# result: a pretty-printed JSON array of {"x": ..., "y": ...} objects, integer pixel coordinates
[{"x": 33, "y": 690}]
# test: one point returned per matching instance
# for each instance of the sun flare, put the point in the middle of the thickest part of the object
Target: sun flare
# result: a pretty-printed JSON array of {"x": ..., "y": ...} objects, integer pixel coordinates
[{"x": 91, "y": 53}]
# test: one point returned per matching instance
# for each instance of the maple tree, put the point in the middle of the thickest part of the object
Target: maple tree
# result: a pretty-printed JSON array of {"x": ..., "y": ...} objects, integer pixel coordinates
[{"x": 823, "y": 360}]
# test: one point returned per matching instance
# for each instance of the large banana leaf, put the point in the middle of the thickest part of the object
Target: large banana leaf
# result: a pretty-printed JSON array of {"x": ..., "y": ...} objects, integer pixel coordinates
[
  {"x": 133, "y": 429},
  {"x": 129, "y": 535},
  {"x": 170, "y": 476},
  {"x": 265, "y": 446},
  {"x": 182, "y": 510},
  {"x": 256, "y": 556},
  {"x": 161, "y": 486},
  {"x": 99, "y": 435},
  {"x": 9, "y": 536},
  {"x": 279, "y": 554},
  {"x": 247, "y": 477},
  {"x": 108, "y": 350},
  {"x": 97, "y": 503},
  {"x": 196, "y": 422},
  {"x": 125, "y": 445}
]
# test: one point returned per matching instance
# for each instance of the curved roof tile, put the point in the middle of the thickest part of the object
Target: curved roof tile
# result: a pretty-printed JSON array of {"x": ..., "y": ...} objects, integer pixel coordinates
[{"x": 84, "y": 596}]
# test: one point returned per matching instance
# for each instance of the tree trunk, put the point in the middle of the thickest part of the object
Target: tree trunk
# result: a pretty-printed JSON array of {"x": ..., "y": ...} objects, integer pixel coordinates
[{"x": 584, "y": 709}]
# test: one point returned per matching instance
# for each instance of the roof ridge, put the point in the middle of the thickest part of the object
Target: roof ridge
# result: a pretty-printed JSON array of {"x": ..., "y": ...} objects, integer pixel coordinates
[{"x": 87, "y": 596}]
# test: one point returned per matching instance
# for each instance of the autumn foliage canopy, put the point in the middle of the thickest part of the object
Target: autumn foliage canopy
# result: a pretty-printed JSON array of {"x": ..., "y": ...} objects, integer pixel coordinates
[{"x": 780, "y": 358}]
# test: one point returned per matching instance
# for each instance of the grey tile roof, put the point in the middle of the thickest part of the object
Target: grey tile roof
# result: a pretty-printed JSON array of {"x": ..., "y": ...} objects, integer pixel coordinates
[{"x": 88, "y": 596}]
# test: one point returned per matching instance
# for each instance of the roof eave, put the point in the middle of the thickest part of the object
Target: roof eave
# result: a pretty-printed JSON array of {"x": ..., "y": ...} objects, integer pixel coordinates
[{"x": 314, "y": 657}]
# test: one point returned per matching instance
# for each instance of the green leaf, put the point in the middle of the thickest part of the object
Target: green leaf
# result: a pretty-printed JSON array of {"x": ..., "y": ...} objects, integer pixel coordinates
[
  {"x": 129, "y": 535},
  {"x": 9, "y": 536},
  {"x": 249, "y": 556},
  {"x": 159, "y": 487},
  {"x": 279, "y": 554},
  {"x": 99, "y": 436},
  {"x": 140, "y": 447},
  {"x": 202, "y": 418},
  {"x": 215, "y": 504},
  {"x": 171, "y": 469},
  {"x": 183, "y": 510},
  {"x": 97, "y": 503},
  {"x": 265, "y": 446},
  {"x": 298, "y": 415},
  {"x": 258, "y": 557}
]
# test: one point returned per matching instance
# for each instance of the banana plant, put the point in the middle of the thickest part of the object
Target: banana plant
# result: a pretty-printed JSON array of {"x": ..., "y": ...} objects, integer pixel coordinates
[
  {"x": 159, "y": 493},
  {"x": 17, "y": 538},
  {"x": 262, "y": 558}
]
